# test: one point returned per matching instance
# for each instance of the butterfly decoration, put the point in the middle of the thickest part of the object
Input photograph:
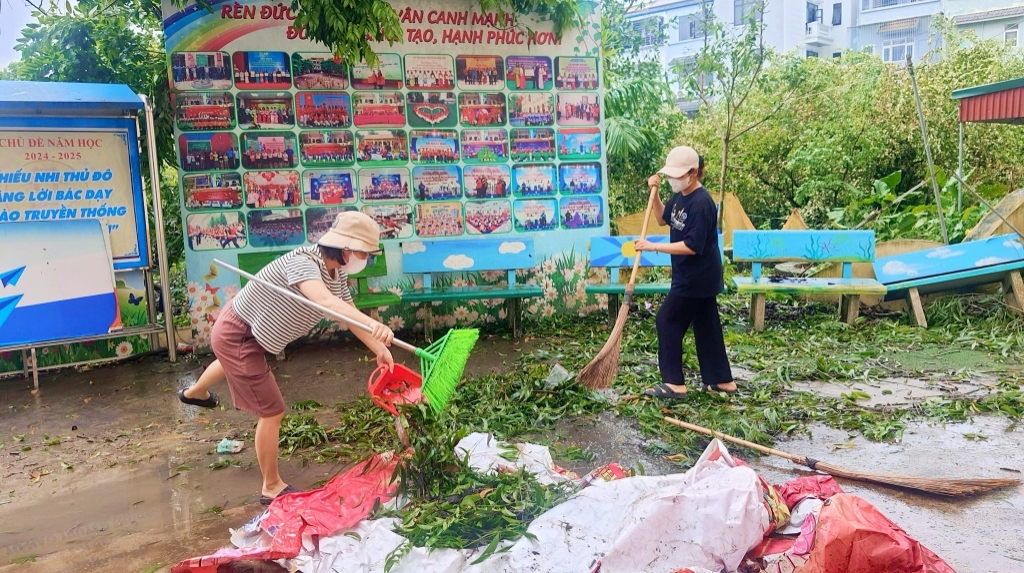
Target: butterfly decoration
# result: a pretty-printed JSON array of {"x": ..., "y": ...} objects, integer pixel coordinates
[
  {"x": 211, "y": 289},
  {"x": 211, "y": 319},
  {"x": 213, "y": 273},
  {"x": 135, "y": 300}
]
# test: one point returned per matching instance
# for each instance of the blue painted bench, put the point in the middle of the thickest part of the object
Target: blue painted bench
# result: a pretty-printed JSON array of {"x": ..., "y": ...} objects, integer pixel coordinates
[
  {"x": 433, "y": 258},
  {"x": 847, "y": 247},
  {"x": 954, "y": 268},
  {"x": 617, "y": 253}
]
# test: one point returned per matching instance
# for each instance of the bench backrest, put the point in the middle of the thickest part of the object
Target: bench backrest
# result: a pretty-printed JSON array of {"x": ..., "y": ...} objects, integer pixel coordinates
[
  {"x": 967, "y": 256},
  {"x": 845, "y": 247},
  {"x": 254, "y": 263},
  {"x": 618, "y": 252},
  {"x": 468, "y": 255}
]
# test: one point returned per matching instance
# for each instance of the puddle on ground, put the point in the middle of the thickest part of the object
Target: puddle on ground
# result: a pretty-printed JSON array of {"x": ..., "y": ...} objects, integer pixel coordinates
[
  {"x": 147, "y": 516},
  {"x": 980, "y": 534},
  {"x": 612, "y": 440}
]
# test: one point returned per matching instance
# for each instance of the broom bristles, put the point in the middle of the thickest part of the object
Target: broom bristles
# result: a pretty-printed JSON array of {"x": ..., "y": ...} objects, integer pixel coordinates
[
  {"x": 602, "y": 369},
  {"x": 953, "y": 487},
  {"x": 447, "y": 361}
]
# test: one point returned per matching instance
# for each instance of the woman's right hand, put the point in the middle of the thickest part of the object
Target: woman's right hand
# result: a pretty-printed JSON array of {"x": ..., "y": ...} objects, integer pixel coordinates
[
  {"x": 654, "y": 181},
  {"x": 382, "y": 333}
]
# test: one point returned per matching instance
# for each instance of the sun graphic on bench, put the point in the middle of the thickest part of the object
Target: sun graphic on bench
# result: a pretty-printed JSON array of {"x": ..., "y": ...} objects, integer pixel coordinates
[{"x": 628, "y": 249}]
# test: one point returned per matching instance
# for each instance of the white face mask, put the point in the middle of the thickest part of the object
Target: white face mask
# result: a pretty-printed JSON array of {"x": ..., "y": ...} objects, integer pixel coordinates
[
  {"x": 354, "y": 265},
  {"x": 678, "y": 185}
]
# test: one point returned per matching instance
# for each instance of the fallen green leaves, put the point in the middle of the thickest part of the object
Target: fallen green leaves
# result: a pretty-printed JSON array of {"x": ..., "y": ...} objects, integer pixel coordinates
[{"x": 452, "y": 506}]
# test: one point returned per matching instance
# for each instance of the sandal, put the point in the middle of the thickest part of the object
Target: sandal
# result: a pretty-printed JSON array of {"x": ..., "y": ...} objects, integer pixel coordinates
[
  {"x": 664, "y": 391},
  {"x": 264, "y": 500},
  {"x": 212, "y": 402},
  {"x": 715, "y": 388}
]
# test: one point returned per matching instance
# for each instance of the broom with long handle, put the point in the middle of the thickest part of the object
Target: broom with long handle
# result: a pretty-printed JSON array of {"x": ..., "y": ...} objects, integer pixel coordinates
[
  {"x": 441, "y": 363},
  {"x": 952, "y": 487},
  {"x": 601, "y": 370}
]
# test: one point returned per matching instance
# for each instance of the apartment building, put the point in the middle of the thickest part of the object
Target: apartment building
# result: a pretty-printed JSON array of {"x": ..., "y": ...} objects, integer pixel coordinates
[
  {"x": 891, "y": 29},
  {"x": 810, "y": 27},
  {"x": 989, "y": 19}
]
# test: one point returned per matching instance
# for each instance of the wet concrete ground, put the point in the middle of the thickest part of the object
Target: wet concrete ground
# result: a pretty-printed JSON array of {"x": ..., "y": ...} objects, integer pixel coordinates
[{"x": 106, "y": 471}]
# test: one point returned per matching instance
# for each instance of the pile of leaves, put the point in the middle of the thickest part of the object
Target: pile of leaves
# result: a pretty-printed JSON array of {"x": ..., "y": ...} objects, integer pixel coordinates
[{"x": 451, "y": 506}]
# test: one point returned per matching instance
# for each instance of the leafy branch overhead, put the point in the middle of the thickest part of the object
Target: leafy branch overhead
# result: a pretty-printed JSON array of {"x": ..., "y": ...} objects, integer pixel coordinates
[{"x": 349, "y": 27}]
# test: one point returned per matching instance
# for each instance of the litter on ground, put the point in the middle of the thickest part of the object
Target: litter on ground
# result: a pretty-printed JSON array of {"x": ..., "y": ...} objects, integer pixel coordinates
[{"x": 718, "y": 517}]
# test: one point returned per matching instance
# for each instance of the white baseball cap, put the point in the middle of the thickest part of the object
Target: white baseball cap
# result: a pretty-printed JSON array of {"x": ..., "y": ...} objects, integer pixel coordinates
[{"x": 680, "y": 161}]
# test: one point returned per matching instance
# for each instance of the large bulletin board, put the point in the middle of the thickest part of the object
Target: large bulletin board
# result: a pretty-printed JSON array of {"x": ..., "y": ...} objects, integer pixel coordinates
[{"x": 466, "y": 129}]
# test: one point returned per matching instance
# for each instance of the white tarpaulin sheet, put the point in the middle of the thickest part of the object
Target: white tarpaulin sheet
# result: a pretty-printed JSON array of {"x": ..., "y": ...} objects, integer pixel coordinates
[{"x": 705, "y": 520}]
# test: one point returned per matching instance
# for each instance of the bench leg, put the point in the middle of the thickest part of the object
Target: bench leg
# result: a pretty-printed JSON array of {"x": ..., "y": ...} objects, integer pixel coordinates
[
  {"x": 1013, "y": 291},
  {"x": 757, "y": 311},
  {"x": 915, "y": 308},
  {"x": 428, "y": 322},
  {"x": 613, "y": 310},
  {"x": 849, "y": 308},
  {"x": 514, "y": 310},
  {"x": 35, "y": 369}
]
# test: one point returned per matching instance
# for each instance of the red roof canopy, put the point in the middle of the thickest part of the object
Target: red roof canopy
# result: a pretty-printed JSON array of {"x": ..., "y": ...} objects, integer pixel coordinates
[{"x": 1001, "y": 102}]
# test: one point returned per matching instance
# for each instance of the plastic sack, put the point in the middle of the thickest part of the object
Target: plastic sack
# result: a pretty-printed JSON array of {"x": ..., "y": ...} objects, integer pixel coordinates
[{"x": 850, "y": 535}]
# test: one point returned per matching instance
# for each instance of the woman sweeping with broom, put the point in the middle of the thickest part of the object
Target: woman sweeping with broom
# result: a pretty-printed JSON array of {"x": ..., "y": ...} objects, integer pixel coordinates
[
  {"x": 696, "y": 277},
  {"x": 259, "y": 320}
]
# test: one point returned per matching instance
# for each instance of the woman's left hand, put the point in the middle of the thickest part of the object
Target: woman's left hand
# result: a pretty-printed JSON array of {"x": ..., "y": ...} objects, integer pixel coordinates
[
  {"x": 384, "y": 358},
  {"x": 643, "y": 245}
]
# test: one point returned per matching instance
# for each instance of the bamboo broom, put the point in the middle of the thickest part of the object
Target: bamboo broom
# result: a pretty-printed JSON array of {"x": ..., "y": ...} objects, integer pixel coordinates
[
  {"x": 600, "y": 372},
  {"x": 951, "y": 487}
]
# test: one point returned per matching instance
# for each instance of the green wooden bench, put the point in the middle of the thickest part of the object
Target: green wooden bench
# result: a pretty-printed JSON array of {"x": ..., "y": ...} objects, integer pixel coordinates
[
  {"x": 847, "y": 247},
  {"x": 954, "y": 268},
  {"x": 362, "y": 298},
  {"x": 616, "y": 254},
  {"x": 433, "y": 258}
]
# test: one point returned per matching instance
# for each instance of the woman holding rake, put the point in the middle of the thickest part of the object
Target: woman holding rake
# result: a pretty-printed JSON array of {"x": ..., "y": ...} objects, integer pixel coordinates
[{"x": 696, "y": 278}]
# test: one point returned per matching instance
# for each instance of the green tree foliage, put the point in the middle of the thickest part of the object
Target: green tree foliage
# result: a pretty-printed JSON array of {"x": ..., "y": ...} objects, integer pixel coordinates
[
  {"x": 641, "y": 120},
  {"x": 853, "y": 121}
]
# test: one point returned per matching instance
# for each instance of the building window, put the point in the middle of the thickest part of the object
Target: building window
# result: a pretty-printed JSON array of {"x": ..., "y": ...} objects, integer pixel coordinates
[
  {"x": 812, "y": 54},
  {"x": 869, "y": 49},
  {"x": 897, "y": 50},
  {"x": 837, "y": 54},
  {"x": 1010, "y": 34},
  {"x": 837, "y": 14},
  {"x": 691, "y": 27},
  {"x": 813, "y": 12},
  {"x": 876, "y": 4},
  {"x": 744, "y": 9},
  {"x": 649, "y": 30}
]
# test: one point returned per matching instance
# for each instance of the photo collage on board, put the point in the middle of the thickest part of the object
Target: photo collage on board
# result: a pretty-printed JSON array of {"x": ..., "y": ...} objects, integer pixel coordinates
[{"x": 273, "y": 145}]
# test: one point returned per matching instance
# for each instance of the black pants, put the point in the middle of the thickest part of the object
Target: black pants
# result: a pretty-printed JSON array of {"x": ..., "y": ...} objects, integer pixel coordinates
[{"x": 674, "y": 318}]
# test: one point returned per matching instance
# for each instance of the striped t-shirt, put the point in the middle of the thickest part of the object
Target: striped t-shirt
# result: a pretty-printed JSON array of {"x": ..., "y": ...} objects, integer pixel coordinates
[{"x": 275, "y": 319}]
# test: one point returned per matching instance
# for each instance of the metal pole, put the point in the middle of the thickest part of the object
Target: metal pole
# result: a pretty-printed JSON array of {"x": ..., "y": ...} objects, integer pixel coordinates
[
  {"x": 161, "y": 239},
  {"x": 960, "y": 172},
  {"x": 147, "y": 272},
  {"x": 928, "y": 151}
]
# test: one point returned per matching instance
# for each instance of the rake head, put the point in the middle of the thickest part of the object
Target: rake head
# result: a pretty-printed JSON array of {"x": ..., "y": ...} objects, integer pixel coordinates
[{"x": 442, "y": 364}]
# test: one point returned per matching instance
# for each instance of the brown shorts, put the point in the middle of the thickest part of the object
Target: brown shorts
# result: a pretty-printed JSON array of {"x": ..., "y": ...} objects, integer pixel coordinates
[{"x": 253, "y": 386}]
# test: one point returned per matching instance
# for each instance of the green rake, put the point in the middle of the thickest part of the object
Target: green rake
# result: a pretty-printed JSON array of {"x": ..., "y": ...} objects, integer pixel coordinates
[{"x": 441, "y": 364}]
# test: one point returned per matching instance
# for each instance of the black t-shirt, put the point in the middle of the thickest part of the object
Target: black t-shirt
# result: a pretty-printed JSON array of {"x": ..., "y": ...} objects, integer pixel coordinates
[{"x": 693, "y": 220}]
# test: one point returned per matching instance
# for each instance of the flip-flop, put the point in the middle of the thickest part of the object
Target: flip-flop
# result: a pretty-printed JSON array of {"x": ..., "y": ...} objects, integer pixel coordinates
[
  {"x": 264, "y": 500},
  {"x": 212, "y": 402},
  {"x": 664, "y": 391},
  {"x": 715, "y": 388}
]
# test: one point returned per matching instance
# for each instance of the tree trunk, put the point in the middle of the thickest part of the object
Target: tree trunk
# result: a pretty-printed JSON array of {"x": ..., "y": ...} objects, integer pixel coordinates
[{"x": 722, "y": 181}]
